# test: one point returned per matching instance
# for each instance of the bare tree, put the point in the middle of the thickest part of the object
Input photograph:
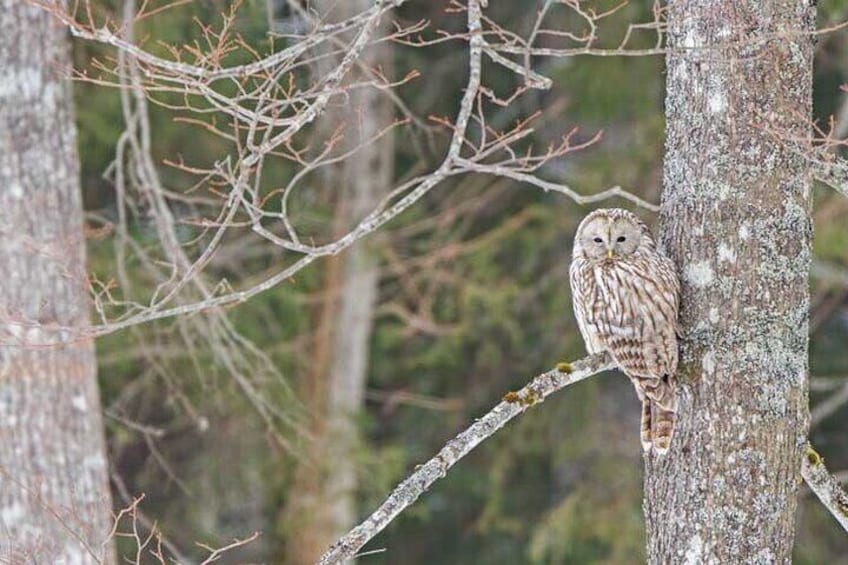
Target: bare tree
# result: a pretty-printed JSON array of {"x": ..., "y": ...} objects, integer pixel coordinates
[
  {"x": 270, "y": 117},
  {"x": 736, "y": 219},
  {"x": 54, "y": 495},
  {"x": 322, "y": 503}
]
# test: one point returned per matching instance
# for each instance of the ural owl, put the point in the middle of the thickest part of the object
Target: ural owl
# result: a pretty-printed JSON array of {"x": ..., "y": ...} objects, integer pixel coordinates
[{"x": 626, "y": 298}]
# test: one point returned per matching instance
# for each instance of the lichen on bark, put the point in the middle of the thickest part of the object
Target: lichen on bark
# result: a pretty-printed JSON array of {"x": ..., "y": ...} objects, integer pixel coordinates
[
  {"x": 735, "y": 218},
  {"x": 54, "y": 494}
]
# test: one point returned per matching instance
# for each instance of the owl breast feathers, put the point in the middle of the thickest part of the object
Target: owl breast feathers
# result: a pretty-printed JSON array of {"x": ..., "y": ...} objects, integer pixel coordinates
[{"x": 626, "y": 300}]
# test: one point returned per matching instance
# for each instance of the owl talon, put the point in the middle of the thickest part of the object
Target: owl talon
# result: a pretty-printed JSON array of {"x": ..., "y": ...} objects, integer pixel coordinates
[{"x": 564, "y": 367}]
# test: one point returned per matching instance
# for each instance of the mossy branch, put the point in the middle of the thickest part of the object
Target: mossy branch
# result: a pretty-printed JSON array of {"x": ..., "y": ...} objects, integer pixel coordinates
[
  {"x": 407, "y": 492},
  {"x": 826, "y": 487}
]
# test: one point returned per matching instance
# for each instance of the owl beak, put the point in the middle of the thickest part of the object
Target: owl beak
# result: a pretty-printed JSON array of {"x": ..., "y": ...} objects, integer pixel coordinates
[{"x": 609, "y": 253}]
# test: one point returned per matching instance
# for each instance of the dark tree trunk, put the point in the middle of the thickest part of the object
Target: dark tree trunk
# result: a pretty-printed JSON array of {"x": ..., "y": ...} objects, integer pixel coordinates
[
  {"x": 736, "y": 219},
  {"x": 54, "y": 494}
]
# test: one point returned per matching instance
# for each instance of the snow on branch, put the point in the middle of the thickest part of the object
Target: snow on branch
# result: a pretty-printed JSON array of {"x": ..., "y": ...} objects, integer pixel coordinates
[
  {"x": 826, "y": 487},
  {"x": 407, "y": 492}
]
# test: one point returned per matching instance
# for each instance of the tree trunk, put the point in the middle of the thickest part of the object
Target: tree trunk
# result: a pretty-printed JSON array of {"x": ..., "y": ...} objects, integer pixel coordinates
[
  {"x": 736, "y": 220},
  {"x": 54, "y": 493},
  {"x": 326, "y": 481}
]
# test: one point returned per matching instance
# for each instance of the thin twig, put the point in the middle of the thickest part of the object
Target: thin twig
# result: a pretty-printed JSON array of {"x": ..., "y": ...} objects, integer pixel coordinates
[{"x": 268, "y": 104}]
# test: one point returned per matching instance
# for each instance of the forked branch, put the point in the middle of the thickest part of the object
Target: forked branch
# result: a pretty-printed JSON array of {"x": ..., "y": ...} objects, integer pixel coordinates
[{"x": 269, "y": 106}]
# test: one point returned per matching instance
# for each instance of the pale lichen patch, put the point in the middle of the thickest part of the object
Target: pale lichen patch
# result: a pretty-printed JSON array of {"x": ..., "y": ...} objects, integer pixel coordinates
[
  {"x": 713, "y": 315},
  {"x": 16, "y": 190},
  {"x": 79, "y": 403},
  {"x": 15, "y": 330},
  {"x": 699, "y": 274},
  {"x": 694, "y": 551},
  {"x": 23, "y": 83},
  {"x": 12, "y": 514},
  {"x": 726, "y": 253},
  {"x": 94, "y": 462},
  {"x": 717, "y": 102},
  {"x": 692, "y": 38},
  {"x": 724, "y": 191},
  {"x": 708, "y": 364},
  {"x": 764, "y": 557}
]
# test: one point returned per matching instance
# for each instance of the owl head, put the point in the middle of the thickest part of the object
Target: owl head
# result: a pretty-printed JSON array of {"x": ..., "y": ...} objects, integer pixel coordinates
[{"x": 611, "y": 233}]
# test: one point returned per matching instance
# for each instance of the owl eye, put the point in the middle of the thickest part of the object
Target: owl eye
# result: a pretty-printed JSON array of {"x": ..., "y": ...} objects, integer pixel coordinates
[
  {"x": 598, "y": 240},
  {"x": 621, "y": 239}
]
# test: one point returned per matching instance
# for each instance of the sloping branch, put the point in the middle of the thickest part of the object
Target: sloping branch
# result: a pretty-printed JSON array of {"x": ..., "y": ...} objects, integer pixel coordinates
[
  {"x": 826, "y": 487},
  {"x": 407, "y": 492},
  {"x": 832, "y": 172},
  {"x": 829, "y": 406}
]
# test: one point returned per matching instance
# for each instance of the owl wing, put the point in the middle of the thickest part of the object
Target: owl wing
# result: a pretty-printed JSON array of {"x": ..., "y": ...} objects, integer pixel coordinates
[
  {"x": 667, "y": 274},
  {"x": 654, "y": 297},
  {"x": 667, "y": 303},
  {"x": 582, "y": 297},
  {"x": 637, "y": 318},
  {"x": 664, "y": 309}
]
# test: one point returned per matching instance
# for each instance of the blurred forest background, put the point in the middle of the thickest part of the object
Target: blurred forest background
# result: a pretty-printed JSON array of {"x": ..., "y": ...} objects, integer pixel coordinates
[{"x": 472, "y": 300}]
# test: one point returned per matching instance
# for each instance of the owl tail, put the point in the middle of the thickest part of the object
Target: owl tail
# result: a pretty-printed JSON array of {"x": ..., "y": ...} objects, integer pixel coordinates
[
  {"x": 659, "y": 405},
  {"x": 645, "y": 430},
  {"x": 662, "y": 429}
]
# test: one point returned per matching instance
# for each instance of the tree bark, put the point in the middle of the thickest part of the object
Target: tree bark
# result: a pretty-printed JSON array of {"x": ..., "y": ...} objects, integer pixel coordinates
[
  {"x": 735, "y": 218},
  {"x": 326, "y": 481},
  {"x": 54, "y": 493}
]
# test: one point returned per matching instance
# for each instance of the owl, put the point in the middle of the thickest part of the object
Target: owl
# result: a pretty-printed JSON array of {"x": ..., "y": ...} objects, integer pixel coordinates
[{"x": 626, "y": 298}]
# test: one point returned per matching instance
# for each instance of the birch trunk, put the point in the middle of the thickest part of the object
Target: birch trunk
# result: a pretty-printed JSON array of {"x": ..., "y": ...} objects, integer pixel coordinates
[
  {"x": 54, "y": 494},
  {"x": 736, "y": 219},
  {"x": 327, "y": 480}
]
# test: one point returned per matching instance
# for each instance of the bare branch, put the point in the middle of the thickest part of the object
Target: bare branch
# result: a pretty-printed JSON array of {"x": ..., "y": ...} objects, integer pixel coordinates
[
  {"x": 263, "y": 111},
  {"x": 407, "y": 492},
  {"x": 826, "y": 487},
  {"x": 216, "y": 553},
  {"x": 139, "y": 516},
  {"x": 524, "y": 177},
  {"x": 829, "y": 273},
  {"x": 832, "y": 172},
  {"x": 829, "y": 406}
]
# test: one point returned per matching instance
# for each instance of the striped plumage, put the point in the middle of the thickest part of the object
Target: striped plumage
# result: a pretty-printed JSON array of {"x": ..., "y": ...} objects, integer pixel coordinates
[{"x": 626, "y": 300}]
